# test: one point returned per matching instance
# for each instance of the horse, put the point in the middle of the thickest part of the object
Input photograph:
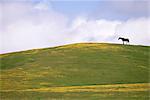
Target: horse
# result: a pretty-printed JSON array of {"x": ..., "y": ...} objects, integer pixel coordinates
[{"x": 123, "y": 39}]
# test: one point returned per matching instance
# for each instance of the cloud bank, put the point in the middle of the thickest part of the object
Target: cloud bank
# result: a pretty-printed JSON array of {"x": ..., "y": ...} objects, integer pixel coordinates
[{"x": 28, "y": 25}]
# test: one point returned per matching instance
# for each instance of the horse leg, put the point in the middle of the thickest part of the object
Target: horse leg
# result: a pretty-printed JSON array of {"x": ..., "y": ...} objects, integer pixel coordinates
[{"x": 123, "y": 42}]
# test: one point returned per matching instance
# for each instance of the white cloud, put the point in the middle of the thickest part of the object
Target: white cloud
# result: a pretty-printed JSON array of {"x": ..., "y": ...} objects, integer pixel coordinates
[
  {"x": 108, "y": 31},
  {"x": 93, "y": 30},
  {"x": 28, "y": 26},
  {"x": 137, "y": 30}
]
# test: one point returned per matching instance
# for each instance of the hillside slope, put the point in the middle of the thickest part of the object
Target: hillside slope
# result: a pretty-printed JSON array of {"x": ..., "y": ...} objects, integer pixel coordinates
[{"x": 75, "y": 65}]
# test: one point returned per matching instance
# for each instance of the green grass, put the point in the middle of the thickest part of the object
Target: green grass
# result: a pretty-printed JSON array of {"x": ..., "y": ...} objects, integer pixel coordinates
[
  {"x": 82, "y": 64},
  {"x": 94, "y": 92}
]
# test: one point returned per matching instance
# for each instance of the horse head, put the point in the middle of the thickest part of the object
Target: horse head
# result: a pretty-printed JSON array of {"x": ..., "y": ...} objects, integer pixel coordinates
[{"x": 119, "y": 38}]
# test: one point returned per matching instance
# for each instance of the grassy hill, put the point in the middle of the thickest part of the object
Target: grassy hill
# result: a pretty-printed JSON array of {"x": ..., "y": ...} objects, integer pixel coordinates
[{"x": 77, "y": 71}]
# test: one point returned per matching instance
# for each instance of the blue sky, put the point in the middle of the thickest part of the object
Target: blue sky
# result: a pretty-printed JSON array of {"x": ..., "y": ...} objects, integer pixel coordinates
[
  {"x": 29, "y": 24},
  {"x": 73, "y": 9},
  {"x": 108, "y": 9},
  {"x": 95, "y": 9}
]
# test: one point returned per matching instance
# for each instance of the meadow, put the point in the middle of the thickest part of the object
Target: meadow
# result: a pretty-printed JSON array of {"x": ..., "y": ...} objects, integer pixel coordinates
[{"x": 82, "y": 71}]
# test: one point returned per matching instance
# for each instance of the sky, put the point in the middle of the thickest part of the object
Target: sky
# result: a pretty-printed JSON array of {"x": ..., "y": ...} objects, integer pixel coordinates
[{"x": 31, "y": 24}]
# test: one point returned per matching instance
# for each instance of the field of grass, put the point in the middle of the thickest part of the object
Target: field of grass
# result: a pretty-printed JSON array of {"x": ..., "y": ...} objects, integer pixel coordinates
[{"x": 93, "y": 71}]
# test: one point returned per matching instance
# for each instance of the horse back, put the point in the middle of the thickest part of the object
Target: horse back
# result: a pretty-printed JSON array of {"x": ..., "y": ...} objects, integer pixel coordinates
[{"x": 127, "y": 40}]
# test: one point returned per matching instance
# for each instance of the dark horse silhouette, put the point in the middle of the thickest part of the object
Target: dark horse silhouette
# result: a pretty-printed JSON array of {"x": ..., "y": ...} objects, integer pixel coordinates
[{"x": 123, "y": 39}]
